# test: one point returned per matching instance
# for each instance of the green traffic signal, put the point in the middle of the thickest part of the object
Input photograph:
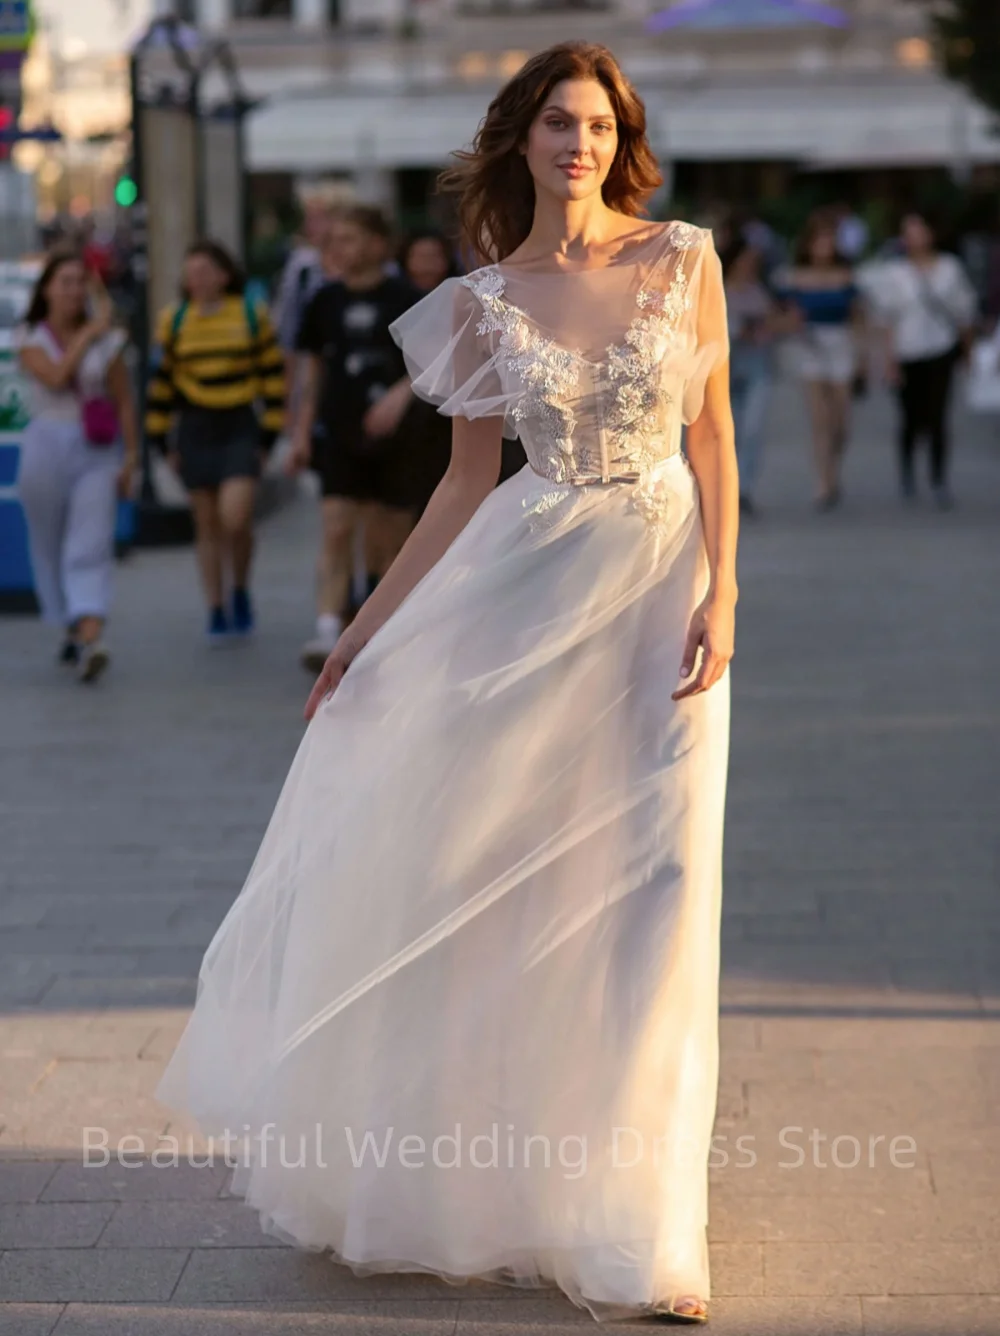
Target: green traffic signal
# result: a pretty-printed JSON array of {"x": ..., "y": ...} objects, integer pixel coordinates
[{"x": 126, "y": 192}]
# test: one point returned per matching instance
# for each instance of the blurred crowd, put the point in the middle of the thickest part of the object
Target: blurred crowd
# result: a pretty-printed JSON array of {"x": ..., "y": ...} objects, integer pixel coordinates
[
  {"x": 309, "y": 359},
  {"x": 841, "y": 319}
]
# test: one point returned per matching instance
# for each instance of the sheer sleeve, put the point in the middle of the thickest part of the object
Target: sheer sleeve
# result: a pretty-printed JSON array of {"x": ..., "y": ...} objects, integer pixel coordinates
[
  {"x": 451, "y": 354},
  {"x": 711, "y": 328}
]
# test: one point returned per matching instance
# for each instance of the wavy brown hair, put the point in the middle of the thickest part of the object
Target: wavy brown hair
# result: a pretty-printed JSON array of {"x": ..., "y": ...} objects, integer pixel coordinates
[
  {"x": 496, "y": 203},
  {"x": 38, "y": 306}
]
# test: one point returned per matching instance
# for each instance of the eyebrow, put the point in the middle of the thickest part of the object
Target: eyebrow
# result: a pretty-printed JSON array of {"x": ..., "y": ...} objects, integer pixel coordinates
[{"x": 602, "y": 116}]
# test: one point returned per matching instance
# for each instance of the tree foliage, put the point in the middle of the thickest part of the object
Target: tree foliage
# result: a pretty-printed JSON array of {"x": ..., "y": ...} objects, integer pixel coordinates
[{"x": 967, "y": 35}]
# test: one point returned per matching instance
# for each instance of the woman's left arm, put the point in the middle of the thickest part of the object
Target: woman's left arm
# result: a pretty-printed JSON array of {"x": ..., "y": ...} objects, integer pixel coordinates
[
  {"x": 120, "y": 389},
  {"x": 711, "y": 451}
]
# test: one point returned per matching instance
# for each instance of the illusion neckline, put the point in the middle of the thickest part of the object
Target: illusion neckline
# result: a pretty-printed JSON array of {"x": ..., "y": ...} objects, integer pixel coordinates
[{"x": 632, "y": 256}]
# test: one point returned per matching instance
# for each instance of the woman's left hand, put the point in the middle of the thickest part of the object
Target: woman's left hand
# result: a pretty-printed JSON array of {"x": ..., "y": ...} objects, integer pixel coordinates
[
  {"x": 126, "y": 477},
  {"x": 713, "y": 628}
]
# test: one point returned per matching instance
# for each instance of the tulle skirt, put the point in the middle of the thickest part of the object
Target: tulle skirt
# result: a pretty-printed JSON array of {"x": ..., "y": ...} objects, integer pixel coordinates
[{"x": 466, "y": 1005}]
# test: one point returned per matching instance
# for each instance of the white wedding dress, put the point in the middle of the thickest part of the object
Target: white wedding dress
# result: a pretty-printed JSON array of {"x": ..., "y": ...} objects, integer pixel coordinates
[{"x": 487, "y": 905}]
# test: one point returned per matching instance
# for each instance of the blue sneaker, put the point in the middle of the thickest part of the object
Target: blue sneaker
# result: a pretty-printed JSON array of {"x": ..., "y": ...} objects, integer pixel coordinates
[
  {"x": 242, "y": 612},
  {"x": 218, "y": 626}
]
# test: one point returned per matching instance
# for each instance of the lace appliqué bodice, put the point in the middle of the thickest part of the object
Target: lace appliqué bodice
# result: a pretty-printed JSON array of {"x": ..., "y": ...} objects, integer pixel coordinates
[{"x": 585, "y": 420}]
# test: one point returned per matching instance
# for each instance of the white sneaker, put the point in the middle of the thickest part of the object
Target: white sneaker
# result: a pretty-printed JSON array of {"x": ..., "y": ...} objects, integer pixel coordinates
[{"x": 94, "y": 658}]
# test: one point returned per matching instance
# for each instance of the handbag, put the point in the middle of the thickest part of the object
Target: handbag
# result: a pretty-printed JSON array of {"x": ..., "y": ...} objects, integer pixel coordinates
[
  {"x": 99, "y": 416},
  {"x": 98, "y": 413}
]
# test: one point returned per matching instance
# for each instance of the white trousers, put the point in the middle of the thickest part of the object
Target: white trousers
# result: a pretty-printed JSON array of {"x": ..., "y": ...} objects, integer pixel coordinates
[{"x": 68, "y": 493}]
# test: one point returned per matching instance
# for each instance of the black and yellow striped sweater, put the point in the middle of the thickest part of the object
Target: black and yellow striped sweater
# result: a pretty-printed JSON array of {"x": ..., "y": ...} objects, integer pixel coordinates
[{"x": 215, "y": 359}]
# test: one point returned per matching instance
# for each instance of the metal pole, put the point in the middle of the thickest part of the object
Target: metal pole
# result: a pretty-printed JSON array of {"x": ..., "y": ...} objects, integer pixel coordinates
[
  {"x": 140, "y": 275},
  {"x": 194, "y": 111}
]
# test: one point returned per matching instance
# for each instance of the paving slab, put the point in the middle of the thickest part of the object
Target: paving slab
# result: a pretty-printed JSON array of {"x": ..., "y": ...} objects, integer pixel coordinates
[
  {"x": 430, "y": 1319},
  {"x": 29, "y": 1319},
  {"x": 53, "y": 1224},
  {"x": 942, "y": 1315},
  {"x": 60, "y": 1275}
]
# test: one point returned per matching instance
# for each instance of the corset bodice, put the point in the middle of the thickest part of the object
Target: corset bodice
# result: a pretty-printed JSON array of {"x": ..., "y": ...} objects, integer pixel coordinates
[
  {"x": 596, "y": 369},
  {"x": 579, "y": 417}
]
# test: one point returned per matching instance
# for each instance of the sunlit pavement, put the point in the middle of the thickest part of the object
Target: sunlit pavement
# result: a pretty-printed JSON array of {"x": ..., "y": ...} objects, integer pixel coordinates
[{"x": 861, "y": 953}]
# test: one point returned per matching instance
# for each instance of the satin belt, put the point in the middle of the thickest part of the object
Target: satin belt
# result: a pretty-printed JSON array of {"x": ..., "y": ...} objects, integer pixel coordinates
[
  {"x": 588, "y": 480},
  {"x": 591, "y": 480}
]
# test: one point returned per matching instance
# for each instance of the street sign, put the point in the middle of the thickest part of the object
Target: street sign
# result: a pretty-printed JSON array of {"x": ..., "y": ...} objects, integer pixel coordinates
[
  {"x": 17, "y": 25},
  {"x": 44, "y": 134}
]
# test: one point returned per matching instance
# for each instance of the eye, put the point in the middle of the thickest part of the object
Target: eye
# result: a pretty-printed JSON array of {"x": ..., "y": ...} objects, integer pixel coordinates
[
  {"x": 603, "y": 127},
  {"x": 555, "y": 122}
]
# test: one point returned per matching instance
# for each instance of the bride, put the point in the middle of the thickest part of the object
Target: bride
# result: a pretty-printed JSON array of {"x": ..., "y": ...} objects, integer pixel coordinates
[{"x": 464, "y": 1013}]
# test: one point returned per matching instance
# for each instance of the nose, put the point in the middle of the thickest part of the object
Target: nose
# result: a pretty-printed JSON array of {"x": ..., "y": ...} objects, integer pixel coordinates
[{"x": 580, "y": 139}]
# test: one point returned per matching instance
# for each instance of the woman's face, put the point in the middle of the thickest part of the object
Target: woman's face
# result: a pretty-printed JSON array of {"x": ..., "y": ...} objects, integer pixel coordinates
[
  {"x": 66, "y": 292},
  {"x": 573, "y": 140},
  {"x": 202, "y": 278},
  {"x": 426, "y": 263},
  {"x": 823, "y": 247},
  {"x": 918, "y": 238}
]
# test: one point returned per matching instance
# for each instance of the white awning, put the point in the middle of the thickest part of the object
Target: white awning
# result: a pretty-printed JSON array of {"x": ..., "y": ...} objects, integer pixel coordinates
[{"x": 868, "y": 124}]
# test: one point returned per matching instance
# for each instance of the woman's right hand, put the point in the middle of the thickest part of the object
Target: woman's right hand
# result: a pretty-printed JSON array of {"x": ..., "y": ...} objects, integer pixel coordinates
[
  {"x": 100, "y": 322},
  {"x": 341, "y": 657},
  {"x": 299, "y": 456}
]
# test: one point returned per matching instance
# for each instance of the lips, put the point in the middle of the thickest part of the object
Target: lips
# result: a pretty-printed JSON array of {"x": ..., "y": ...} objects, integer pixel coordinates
[{"x": 574, "y": 170}]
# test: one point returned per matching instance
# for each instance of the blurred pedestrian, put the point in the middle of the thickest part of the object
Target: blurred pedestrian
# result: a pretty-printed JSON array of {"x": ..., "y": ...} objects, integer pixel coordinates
[
  {"x": 753, "y": 322},
  {"x": 853, "y": 233},
  {"x": 328, "y": 270},
  {"x": 426, "y": 260},
  {"x": 927, "y": 307},
  {"x": 350, "y": 424},
  {"x": 78, "y": 452},
  {"x": 822, "y": 299},
  {"x": 305, "y": 269},
  {"x": 218, "y": 359}
]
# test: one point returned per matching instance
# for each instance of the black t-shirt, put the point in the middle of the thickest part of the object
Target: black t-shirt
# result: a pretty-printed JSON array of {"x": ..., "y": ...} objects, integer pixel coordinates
[{"x": 349, "y": 330}]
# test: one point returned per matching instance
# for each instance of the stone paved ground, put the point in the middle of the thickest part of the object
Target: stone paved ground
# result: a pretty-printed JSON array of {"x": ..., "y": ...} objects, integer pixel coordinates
[{"x": 861, "y": 963}]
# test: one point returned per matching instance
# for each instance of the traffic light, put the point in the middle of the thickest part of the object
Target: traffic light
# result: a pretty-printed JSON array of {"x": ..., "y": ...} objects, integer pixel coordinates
[{"x": 126, "y": 192}]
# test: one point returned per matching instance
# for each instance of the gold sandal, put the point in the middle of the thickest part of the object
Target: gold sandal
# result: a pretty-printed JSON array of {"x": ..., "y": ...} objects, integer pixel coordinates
[{"x": 674, "y": 1314}]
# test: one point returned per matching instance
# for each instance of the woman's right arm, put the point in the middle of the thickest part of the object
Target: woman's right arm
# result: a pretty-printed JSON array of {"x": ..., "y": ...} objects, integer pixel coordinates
[
  {"x": 305, "y": 417},
  {"x": 471, "y": 477},
  {"x": 53, "y": 374}
]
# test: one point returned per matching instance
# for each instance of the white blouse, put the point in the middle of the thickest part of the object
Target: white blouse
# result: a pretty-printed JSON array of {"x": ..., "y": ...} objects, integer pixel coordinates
[
  {"x": 926, "y": 309},
  {"x": 63, "y": 405}
]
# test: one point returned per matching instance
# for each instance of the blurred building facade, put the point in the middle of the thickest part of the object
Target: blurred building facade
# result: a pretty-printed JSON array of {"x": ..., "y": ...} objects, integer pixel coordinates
[
  {"x": 383, "y": 90},
  {"x": 85, "y": 96}
]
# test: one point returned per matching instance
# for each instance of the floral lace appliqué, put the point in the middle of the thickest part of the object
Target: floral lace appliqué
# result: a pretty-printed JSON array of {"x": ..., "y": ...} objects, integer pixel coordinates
[
  {"x": 540, "y": 509},
  {"x": 631, "y": 394},
  {"x": 634, "y": 369},
  {"x": 685, "y": 236},
  {"x": 548, "y": 372}
]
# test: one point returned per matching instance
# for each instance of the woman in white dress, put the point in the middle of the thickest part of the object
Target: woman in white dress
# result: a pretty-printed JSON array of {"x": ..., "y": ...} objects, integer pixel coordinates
[
  {"x": 466, "y": 1006},
  {"x": 78, "y": 455}
]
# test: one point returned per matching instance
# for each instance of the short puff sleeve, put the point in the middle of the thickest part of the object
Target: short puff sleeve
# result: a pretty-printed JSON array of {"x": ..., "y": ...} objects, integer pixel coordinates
[
  {"x": 710, "y": 345},
  {"x": 451, "y": 356}
]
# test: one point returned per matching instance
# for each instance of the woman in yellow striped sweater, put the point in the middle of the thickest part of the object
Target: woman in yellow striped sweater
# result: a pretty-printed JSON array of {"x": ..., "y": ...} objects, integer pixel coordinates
[{"x": 219, "y": 367}]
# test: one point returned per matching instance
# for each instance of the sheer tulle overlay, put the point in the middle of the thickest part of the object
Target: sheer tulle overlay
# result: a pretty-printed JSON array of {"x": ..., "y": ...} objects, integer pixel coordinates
[{"x": 466, "y": 1003}]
